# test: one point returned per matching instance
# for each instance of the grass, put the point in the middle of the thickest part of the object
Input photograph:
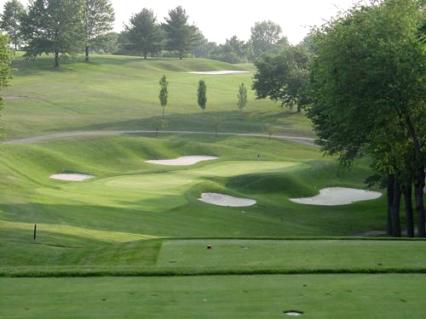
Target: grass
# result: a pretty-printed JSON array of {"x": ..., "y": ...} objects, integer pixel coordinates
[
  {"x": 145, "y": 222},
  {"x": 122, "y": 93},
  {"x": 248, "y": 297}
]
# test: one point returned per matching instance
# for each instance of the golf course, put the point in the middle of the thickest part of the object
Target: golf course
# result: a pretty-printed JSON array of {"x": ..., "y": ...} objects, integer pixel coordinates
[{"x": 190, "y": 215}]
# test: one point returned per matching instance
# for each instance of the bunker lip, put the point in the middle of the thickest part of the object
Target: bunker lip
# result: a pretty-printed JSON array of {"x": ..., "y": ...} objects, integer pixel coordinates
[
  {"x": 336, "y": 196},
  {"x": 71, "y": 177},
  {"x": 183, "y": 160},
  {"x": 293, "y": 313},
  {"x": 221, "y": 72},
  {"x": 226, "y": 200}
]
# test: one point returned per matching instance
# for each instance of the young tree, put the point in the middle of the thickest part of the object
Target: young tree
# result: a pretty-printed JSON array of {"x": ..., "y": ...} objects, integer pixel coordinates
[
  {"x": 180, "y": 35},
  {"x": 54, "y": 26},
  {"x": 284, "y": 77},
  {"x": 164, "y": 93},
  {"x": 98, "y": 20},
  {"x": 10, "y": 22},
  {"x": 202, "y": 95},
  {"x": 6, "y": 57},
  {"x": 264, "y": 37},
  {"x": 144, "y": 34},
  {"x": 242, "y": 97}
]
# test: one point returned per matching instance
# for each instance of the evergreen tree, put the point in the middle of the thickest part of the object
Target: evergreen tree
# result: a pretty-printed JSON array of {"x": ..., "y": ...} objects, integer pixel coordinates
[
  {"x": 164, "y": 93},
  {"x": 202, "y": 95},
  {"x": 180, "y": 35},
  {"x": 242, "y": 97},
  {"x": 144, "y": 34}
]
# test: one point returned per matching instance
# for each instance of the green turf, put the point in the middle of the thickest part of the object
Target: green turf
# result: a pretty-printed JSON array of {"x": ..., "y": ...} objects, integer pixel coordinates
[
  {"x": 116, "y": 92},
  {"x": 137, "y": 219},
  {"x": 225, "y": 297}
]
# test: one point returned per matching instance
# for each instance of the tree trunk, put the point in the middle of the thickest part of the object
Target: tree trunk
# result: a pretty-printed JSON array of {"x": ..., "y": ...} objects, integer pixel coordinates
[
  {"x": 145, "y": 55},
  {"x": 164, "y": 111},
  {"x": 390, "y": 193},
  {"x": 408, "y": 200},
  {"x": 56, "y": 59},
  {"x": 87, "y": 54},
  {"x": 396, "y": 207},
  {"x": 420, "y": 208}
]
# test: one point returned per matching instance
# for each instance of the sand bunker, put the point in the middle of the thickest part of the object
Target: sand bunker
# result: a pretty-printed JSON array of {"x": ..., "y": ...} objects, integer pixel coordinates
[
  {"x": 293, "y": 313},
  {"x": 183, "y": 161},
  {"x": 71, "y": 177},
  {"x": 223, "y": 72},
  {"x": 226, "y": 200},
  {"x": 335, "y": 196}
]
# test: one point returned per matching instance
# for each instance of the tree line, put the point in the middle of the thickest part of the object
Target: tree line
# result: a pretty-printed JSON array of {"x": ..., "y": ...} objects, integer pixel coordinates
[
  {"x": 362, "y": 80},
  {"x": 61, "y": 27}
]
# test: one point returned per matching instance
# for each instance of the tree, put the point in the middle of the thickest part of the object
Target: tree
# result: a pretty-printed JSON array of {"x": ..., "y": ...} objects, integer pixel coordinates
[
  {"x": 284, "y": 77},
  {"x": 242, "y": 97},
  {"x": 202, "y": 95},
  {"x": 106, "y": 43},
  {"x": 6, "y": 57},
  {"x": 233, "y": 51},
  {"x": 54, "y": 26},
  {"x": 369, "y": 96},
  {"x": 180, "y": 35},
  {"x": 13, "y": 12},
  {"x": 144, "y": 34},
  {"x": 98, "y": 20},
  {"x": 164, "y": 93},
  {"x": 264, "y": 37}
]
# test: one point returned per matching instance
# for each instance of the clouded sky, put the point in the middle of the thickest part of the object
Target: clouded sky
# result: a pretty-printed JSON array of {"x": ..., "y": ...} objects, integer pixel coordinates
[{"x": 220, "y": 19}]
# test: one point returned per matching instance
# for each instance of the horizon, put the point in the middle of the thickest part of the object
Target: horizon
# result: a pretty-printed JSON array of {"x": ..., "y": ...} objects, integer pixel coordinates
[{"x": 295, "y": 18}]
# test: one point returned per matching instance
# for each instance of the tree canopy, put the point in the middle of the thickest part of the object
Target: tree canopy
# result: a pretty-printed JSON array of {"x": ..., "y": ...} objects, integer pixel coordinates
[
  {"x": 180, "y": 35},
  {"x": 54, "y": 26},
  {"x": 13, "y": 13},
  {"x": 144, "y": 34},
  {"x": 368, "y": 85},
  {"x": 98, "y": 20}
]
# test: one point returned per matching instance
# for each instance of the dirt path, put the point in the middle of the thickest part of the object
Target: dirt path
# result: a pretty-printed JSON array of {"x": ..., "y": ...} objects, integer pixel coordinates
[{"x": 100, "y": 133}]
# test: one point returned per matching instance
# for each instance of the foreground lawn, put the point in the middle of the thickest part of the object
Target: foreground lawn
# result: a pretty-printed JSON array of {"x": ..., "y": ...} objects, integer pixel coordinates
[{"x": 226, "y": 297}]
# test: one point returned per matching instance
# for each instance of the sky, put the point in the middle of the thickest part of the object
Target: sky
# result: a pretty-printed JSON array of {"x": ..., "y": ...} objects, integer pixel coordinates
[{"x": 221, "y": 19}]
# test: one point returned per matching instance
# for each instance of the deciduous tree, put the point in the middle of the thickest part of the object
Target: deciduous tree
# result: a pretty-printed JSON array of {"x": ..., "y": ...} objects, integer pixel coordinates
[
  {"x": 98, "y": 20},
  {"x": 13, "y": 13},
  {"x": 54, "y": 26}
]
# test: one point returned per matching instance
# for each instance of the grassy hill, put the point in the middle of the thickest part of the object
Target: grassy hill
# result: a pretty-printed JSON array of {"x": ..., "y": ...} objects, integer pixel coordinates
[{"x": 116, "y": 92}]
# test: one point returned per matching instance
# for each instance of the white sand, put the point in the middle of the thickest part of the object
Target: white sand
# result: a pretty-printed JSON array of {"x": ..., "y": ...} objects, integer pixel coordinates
[
  {"x": 71, "y": 177},
  {"x": 183, "y": 161},
  {"x": 226, "y": 200},
  {"x": 223, "y": 72},
  {"x": 293, "y": 313},
  {"x": 335, "y": 196}
]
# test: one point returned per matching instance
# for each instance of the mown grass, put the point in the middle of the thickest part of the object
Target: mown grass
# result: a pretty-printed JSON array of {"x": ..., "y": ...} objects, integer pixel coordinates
[
  {"x": 230, "y": 297},
  {"x": 122, "y": 93}
]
